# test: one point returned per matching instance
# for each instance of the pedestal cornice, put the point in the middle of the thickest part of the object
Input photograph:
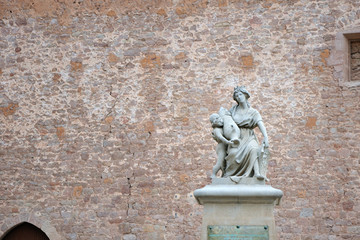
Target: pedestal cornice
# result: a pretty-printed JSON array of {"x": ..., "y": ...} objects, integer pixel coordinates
[{"x": 226, "y": 191}]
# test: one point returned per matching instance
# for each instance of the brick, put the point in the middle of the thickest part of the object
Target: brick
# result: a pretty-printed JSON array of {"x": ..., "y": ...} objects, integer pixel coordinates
[
  {"x": 77, "y": 191},
  {"x": 113, "y": 58},
  {"x": 162, "y": 12},
  {"x": 10, "y": 109},
  {"x": 151, "y": 61},
  {"x": 324, "y": 55},
  {"x": 111, "y": 13},
  {"x": 60, "y": 132},
  {"x": 76, "y": 66},
  {"x": 311, "y": 122},
  {"x": 247, "y": 61},
  {"x": 306, "y": 212}
]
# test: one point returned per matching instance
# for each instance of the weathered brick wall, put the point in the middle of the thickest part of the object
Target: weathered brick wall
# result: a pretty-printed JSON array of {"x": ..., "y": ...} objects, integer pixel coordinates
[{"x": 105, "y": 105}]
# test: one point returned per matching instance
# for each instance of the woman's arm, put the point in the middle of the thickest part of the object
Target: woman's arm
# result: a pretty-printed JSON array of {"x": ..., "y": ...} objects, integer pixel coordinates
[{"x": 264, "y": 133}]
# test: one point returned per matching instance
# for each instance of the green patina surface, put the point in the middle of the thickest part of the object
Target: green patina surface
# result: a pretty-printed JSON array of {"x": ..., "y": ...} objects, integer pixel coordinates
[{"x": 238, "y": 232}]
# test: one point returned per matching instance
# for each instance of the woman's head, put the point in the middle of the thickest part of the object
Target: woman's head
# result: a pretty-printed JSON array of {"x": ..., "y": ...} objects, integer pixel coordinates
[{"x": 241, "y": 95}]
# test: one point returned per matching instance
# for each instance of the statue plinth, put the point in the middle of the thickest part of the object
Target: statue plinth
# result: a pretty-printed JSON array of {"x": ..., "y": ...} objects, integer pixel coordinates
[{"x": 240, "y": 202}]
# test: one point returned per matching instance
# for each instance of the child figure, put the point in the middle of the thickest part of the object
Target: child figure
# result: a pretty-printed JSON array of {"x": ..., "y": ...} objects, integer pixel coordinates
[
  {"x": 230, "y": 128},
  {"x": 224, "y": 128}
]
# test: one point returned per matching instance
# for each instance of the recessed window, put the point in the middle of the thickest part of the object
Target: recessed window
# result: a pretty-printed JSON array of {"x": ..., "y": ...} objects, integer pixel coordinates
[
  {"x": 354, "y": 60},
  {"x": 345, "y": 58}
]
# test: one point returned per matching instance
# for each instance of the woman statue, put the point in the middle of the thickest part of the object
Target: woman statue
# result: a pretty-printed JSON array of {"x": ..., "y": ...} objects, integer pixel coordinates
[{"x": 243, "y": 160}]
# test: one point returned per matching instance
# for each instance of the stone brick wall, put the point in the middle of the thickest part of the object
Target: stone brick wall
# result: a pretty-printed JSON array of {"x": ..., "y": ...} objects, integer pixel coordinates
[{"x": 104, "y": 110}]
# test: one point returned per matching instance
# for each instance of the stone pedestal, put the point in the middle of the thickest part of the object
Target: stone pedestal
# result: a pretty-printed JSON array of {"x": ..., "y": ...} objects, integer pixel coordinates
[{"x": 238, "y": 202}]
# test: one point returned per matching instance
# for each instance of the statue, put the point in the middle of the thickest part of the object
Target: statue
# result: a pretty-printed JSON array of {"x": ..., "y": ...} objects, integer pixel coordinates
[
  {"x": 238, "y": 151},
  {"x": 239, "y": 200}
]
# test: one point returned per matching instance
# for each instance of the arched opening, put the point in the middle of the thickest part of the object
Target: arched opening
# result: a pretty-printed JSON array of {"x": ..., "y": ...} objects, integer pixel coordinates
[{"x": 25, "y": 231}]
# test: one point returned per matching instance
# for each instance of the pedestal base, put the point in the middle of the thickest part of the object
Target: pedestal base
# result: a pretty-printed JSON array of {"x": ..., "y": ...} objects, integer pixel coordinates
[{"x": 248, "y": 203}]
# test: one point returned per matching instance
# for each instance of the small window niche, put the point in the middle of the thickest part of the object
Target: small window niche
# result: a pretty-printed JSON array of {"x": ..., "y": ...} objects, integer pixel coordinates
[
  {"x": 354, "y": 54},
  {"x": 346, "y": 58}
]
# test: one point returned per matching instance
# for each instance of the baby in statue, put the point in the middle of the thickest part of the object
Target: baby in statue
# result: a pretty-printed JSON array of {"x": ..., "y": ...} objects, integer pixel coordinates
[{"x": 226, "y": 133}]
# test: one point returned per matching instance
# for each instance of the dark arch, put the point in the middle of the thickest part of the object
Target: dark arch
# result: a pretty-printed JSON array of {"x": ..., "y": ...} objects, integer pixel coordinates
[{"x": 25, "y": 231}]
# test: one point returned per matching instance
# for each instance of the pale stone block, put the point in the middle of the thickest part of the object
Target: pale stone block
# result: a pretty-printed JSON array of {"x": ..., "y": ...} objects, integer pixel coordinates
[{"x": 249, "y": 202}]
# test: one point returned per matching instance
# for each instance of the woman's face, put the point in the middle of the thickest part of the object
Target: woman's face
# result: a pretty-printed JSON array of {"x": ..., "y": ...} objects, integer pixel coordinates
[{"x": 240, "y": 97}]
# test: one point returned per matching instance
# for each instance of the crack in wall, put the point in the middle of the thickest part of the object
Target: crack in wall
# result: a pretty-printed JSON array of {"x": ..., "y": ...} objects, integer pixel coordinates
[{"x": 128, "y": 199}]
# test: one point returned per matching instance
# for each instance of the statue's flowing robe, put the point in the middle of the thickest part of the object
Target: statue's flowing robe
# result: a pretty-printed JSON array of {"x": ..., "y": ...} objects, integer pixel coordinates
[{"x": 240, "y": 160}]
